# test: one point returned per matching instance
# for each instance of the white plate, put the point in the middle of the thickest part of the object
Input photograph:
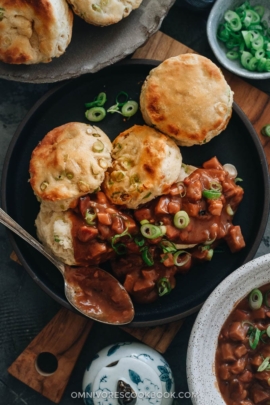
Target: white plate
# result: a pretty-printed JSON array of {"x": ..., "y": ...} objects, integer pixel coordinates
[
  {"x": 216, "y": 309},
  {"x": 93, "y": 48}
]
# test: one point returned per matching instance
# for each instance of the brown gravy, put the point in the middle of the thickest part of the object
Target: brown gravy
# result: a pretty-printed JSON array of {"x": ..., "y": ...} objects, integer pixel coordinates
[
  {"x": 210, "y": 221},
  {"x": 237, "y": 363},
  {"x": 99, "y": 294}
]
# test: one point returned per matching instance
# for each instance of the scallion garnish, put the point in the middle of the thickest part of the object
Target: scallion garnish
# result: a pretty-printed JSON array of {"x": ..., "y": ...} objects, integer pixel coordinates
[
  {"x": 90, "y": 216},
  {"x": 95, "y": 114},
  {"x": 255, "y": 299},
  {"x": 246, "y": 36},
  {"x": 146, "y": 256},
  {"x": 183, "y": 256},
  {"x": 211, "y": 194},
  {"x": 164, "y": 286},
  {"x": 167, "y": 246},
  {"x": 120, "y": 248},
  {"x": 129, "y": 108},
  {"x": 121, "y": 98},
  {"x": 139, "y": 241},
  {"x": 266, "y": 130},
  {"x": 150, "y": 231},
  {"x": 181, "y": 219},
  {"x": 99, "y": 101},
  {"x": 254, "y": 338},
  {"x": 264, "y": 365}
]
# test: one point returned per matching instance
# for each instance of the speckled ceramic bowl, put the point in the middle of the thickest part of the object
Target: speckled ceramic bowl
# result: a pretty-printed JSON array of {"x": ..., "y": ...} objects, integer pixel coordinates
[
  {"x": 216, "y": 16},
  {"x": 216, "y": 309}
]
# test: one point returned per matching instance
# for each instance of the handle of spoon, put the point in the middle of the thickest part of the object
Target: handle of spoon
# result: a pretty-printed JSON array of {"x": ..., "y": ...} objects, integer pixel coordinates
[{"x": 7, "y": 221}]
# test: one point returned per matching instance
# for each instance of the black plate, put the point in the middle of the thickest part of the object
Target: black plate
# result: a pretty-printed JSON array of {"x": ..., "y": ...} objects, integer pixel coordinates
[{"x": 238, "y": 145}]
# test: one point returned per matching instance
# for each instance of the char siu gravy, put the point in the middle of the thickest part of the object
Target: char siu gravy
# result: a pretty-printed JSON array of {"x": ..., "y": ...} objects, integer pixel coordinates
[
  {"x": 243, "y": 352},
  {"x": 100, "y": 295},
  {"x": 148, "y": 246}
]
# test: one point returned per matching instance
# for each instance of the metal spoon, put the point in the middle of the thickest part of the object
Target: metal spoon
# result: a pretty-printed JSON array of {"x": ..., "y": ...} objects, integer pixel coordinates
[{"x": 86, "y": 288}]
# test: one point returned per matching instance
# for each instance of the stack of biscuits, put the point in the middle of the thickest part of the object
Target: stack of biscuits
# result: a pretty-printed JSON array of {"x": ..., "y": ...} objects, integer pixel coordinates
[
  {"x": 184, "y": 101},
  {"x": 35, "y": 31}
]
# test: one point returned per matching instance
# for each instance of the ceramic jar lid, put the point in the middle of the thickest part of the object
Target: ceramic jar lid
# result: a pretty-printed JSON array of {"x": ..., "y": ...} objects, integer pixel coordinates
[{"x": 128, "y": 374}]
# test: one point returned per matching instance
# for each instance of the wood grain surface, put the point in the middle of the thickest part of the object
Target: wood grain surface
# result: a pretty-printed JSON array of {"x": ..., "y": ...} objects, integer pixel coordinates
[{"x": 64, "y": 336}]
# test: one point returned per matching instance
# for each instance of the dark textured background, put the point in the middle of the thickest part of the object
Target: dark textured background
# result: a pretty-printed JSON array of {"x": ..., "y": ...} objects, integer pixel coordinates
[{"x": 24, "y": 308}]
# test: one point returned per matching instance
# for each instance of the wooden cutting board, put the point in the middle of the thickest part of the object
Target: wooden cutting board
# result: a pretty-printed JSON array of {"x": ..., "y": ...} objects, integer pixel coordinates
[{"x": 59, "y": 334}]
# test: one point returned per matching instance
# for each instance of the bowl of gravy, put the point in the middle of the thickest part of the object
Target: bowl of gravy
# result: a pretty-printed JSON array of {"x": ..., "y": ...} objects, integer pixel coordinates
[{"x": 228, "y": 359}]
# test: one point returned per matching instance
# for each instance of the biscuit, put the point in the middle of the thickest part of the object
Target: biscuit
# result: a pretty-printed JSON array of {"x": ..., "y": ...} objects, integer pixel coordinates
[
  {"x": 69, "y": 162},
  {"x": 103, "y": 12},
  {"x": 145, "y": 164},
  {"x": 187, "y": 98},
  {"x": 54, "y": 231},
  {"x": 34, "y": 31}
]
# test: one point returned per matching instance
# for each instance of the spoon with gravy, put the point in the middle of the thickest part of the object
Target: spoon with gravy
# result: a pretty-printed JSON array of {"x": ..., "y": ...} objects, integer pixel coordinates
[{"x": 91, "y": 290}]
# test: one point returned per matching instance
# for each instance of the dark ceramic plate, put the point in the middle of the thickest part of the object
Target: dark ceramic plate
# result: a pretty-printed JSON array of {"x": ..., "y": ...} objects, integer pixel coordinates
[{"x": 238, "y": 145}]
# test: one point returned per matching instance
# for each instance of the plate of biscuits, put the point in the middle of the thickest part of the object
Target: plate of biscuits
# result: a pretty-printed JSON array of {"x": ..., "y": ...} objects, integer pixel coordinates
[
  {"x": 147, "y": 169},
  {"x": 46, "y": 41}
]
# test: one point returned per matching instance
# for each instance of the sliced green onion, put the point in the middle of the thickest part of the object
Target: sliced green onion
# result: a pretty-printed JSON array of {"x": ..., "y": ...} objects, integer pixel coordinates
[
  {"x": 260, "y": 53},
  {"x": 259, "y": 10},
  {"x": 266, "y": 130},
  {"x": 261, "y": 64},
  {"x": 245, "y": 59},
  {"x": 113, "y": 109},
  {"x": 130, "y": 108},
  {"x": 247, "y": 38},
  {"x": 181, "y": 219},
  {"x": 44, "y": 185},
  {"x": 98, "y": 146},
  {"x": 164, "y": 286},
  {"x": 252, "y": 64},
  {"x": 183, "y": 261},
  {"x": 139, "y": 241},
  {"x": 267, "y": 298},
  {"x": 233, "y": 55},
  {"x": 264, "y": 365},
  {"x": 268, "y": 331},
  {"x": 95, "y": 114},
  {"x": 254, "y": 338},
  {"x": 211, "y": 194},
  {"x": 238, "y": 179},
  {"x": 99, "y": 101},
  {"x": 255, "y": 299},
  {"x": 56, "y": 238},
  {"x": 210, "y": 241},
  {"x": 144, "y": 221},
  {"x": 229, "y": 210},
  {"x": 122, "y": 247},
  {"x": 215, "y": 185},
  {"x": 120, "y": 96},
  {"x": 150, "y": 231},
  {"x": 167, "y": 246},
  {"x": 147, "y": 257},
  {"x": 90, "y": 216},
  {"x": 209, "y": 255}
]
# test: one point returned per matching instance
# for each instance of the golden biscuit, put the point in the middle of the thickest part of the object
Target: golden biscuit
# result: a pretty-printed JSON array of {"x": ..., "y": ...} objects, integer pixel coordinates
[
  {"x": 69, "y": 162},
  {"x": 145, "y": 164},
  {"x": 34, "y": 31},
  {"x": 187, "y": 97}
]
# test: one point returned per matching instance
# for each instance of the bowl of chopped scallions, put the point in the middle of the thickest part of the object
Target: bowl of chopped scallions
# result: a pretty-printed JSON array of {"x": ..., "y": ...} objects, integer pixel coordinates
[{"x": 239, "y": 34}]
